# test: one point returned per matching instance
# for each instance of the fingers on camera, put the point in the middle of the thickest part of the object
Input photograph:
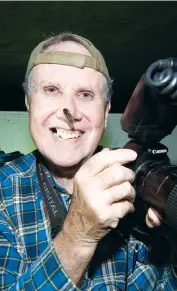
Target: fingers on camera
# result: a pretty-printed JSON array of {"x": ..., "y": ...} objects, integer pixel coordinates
[{"x": 124, "y": 191}]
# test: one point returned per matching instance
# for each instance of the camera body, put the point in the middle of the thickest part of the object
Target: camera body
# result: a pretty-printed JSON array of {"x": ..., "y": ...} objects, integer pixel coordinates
[{"x": 150, "y": 115}]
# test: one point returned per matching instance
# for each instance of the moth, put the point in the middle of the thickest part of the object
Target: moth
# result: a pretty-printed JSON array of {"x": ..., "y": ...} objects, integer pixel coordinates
[{"x": 68, "y": 116}]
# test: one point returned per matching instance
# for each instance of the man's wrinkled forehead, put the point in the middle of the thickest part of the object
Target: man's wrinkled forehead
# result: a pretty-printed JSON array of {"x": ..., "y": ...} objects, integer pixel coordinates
[{"x": 45, "y": 74}]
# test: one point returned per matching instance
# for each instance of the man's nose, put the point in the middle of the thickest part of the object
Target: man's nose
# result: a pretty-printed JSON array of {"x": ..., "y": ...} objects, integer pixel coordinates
[{"x": 70, "y": 105}]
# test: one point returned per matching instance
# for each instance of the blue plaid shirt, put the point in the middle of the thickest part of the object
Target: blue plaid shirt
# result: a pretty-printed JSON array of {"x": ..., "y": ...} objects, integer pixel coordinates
[{"x": 28, "y": 259}]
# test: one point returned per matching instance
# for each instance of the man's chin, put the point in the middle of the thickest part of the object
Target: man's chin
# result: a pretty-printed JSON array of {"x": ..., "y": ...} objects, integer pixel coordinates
[
  {"x": 64, "y": 169},
  {"x": 66, "y": 163}
]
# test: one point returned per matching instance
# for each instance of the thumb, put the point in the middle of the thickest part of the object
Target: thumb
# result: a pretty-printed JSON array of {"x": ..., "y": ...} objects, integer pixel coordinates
[{"x": 106, "y": 149}]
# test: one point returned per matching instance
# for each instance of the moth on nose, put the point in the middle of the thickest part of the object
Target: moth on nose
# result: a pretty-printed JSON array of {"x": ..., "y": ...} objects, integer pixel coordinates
[{"x": 69, "y": 116}]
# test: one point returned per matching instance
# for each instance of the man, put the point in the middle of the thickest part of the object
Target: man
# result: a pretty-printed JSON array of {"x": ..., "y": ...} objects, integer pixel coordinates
[{"x": 68, "y": 90}]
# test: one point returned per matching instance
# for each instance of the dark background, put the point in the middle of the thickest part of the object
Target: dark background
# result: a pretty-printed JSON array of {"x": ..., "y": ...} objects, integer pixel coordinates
[{"x": 131, "y": 35}]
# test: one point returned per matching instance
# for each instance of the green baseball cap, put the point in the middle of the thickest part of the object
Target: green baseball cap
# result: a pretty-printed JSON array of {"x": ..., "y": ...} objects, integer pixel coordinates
[{"x": 95, "y": 61}]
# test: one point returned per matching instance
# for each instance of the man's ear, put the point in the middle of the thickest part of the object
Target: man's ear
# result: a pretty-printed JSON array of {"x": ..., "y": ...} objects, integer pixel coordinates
[
  {"x": 107, "y": 109},
  {"x": 27, "y": 102}
]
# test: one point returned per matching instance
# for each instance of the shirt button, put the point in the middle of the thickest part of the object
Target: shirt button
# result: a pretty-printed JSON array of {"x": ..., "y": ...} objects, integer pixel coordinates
[
  {"x": 20, "y": 249},
  {"x": 2, "y": 205},
  {"x": 161, "y": 287}
]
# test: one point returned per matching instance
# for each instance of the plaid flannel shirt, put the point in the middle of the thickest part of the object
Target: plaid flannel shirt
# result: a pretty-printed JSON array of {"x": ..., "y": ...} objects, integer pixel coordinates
[{"x": 28, "y": 259}]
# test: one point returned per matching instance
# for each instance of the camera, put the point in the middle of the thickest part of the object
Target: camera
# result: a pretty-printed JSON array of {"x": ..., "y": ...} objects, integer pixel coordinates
[{"x": 151, "y": 115}]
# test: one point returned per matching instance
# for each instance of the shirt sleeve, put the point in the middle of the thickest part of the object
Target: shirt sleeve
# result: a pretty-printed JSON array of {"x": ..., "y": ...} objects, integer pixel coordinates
[
  {"x": 17, "y": 271},
  {"x": 167, "y": 279},
  {"x": 17, "y": 274}
]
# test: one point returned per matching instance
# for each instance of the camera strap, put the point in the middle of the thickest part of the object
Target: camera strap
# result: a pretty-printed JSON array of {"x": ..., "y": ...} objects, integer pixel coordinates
[{"x": 53, "y": 202}]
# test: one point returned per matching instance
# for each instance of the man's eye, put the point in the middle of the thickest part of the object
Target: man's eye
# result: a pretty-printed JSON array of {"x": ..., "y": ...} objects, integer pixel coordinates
[
  {"x": 86, "y": 95},
  {"x": 51, "y": 90}
]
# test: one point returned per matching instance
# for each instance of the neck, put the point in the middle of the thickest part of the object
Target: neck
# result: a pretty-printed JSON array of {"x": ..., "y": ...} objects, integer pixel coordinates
[
  {"x": 67, "y": 183},
  {"x": 64, "y": 176}
]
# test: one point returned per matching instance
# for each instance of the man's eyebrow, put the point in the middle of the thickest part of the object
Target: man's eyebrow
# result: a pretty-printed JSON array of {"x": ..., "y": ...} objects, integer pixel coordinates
[
  {"x": 49, "y": 83},
  {"x": 85, "y": 88}
]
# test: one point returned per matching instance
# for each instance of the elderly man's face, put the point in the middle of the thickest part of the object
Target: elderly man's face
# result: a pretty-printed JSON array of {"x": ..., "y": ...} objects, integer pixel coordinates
[{"x": 55, "y": 87}]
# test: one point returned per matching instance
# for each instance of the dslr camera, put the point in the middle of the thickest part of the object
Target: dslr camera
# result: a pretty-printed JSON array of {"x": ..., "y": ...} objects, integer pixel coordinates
[{"x": 151, "y": 115}]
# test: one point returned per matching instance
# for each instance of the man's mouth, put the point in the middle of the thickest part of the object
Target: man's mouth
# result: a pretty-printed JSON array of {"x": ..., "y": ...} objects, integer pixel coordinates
[{"x": 66, "y": 134}]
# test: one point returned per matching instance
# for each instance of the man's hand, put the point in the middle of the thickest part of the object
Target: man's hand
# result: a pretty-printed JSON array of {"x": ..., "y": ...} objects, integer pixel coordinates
[
  {"x": 153, "y": 218},
  {"x": 103, "y": 194}
]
